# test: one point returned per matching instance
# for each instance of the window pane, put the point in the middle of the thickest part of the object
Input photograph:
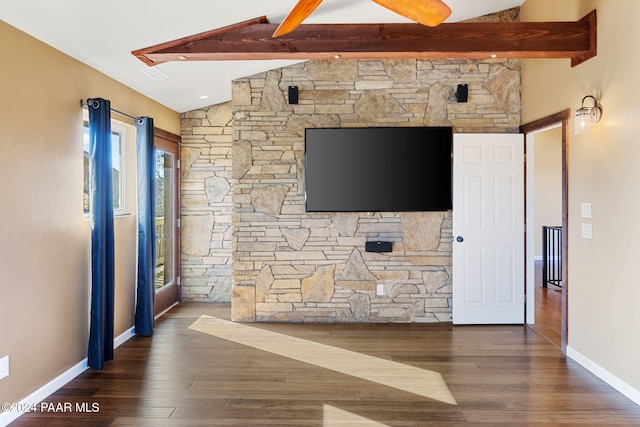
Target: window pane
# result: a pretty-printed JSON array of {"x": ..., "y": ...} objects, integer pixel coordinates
[
  {"x": 165, "y": 218},
  {"x": 117, "y": 159},
  {"x": 116, "y": 173},
  {"x": 86, "y": 196}
]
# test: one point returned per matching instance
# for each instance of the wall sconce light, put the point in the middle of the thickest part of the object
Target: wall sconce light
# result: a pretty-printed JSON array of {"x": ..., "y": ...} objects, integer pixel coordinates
[{"x": 587, "y": 115}]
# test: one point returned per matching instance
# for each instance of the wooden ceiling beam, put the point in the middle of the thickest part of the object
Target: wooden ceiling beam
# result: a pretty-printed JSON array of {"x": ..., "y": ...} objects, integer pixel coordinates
[{"x": 252, "y": 40}]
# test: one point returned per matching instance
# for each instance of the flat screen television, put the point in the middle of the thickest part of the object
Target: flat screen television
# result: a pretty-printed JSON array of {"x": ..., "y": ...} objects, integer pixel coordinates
[{"x": 378, "y": 169}]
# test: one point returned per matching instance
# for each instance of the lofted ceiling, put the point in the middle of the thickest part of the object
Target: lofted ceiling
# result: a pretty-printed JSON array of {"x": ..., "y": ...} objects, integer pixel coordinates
[{"x": 103, "y": 35}]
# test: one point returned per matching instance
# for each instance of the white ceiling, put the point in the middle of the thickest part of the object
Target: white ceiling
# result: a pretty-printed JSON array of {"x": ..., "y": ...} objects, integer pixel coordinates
[{"x": 103, "y": 34}]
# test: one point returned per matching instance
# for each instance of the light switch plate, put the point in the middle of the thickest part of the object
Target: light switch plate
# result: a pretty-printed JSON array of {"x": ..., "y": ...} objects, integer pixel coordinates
[
  {"x": 587, "y": 232},
  {"x": 380, "y": 289},
  {"x": 4, "y": 367},
  {"x": 585, "y": 209}
]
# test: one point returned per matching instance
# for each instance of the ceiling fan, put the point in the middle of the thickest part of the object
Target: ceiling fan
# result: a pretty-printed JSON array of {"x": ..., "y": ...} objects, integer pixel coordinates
[{"x": 426, "y": 12}]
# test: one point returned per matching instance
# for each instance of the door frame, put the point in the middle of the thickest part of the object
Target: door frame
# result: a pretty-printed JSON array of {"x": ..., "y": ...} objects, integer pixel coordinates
[
  {"x": 561, "y": 118},
  {"x": 169, "y": 296}
]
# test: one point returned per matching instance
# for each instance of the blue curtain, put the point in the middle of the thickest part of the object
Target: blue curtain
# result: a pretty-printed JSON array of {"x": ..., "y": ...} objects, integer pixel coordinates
[
  {"x": 102, "y": 248},
  {"x": 146, "y": 227}
]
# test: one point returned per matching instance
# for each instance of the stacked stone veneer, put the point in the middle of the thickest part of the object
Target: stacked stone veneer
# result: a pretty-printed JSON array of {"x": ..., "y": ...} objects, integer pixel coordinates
[
  {"x": 284, "y": 264},
  {"x": 206, "y": 204},
  {"x": 289, "y": 265}
]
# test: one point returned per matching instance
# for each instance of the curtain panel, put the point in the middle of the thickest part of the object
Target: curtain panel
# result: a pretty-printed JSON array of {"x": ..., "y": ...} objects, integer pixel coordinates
[
  {"x": 145, "y": 293},
  {"x": 102, "y": 237}
]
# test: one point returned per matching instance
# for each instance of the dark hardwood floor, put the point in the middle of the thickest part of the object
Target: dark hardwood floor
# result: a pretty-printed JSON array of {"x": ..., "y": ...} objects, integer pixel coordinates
[{"x": 498, "y": 375}]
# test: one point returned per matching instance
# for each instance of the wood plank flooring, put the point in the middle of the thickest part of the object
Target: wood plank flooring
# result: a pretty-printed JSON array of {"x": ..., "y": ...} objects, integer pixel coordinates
[
  {"x": 498, "y": 375},
  {"x": 548, "y": 306}
]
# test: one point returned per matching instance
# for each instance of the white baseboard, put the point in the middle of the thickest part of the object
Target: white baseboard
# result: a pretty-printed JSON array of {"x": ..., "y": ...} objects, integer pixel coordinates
[
  {"x": 58, "y": 382},
  {"x": 44, "y": 391},
  {"x": 124, "y": 337},
  {"x": 605, "y": 375}
]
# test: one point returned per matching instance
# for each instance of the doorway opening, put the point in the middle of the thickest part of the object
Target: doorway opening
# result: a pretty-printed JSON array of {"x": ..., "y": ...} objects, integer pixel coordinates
[{"x": 546, "y": 309}]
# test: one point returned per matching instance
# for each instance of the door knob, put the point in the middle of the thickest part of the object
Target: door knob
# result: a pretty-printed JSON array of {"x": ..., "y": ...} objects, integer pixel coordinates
[{"x": 459, "y": 239}]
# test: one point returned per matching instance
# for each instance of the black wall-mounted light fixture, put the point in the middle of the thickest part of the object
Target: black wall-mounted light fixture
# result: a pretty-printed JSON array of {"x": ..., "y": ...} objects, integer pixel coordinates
[
  {"x": 585, "y": 116},
  {"x": 462, "y": 93},
  {"x": 293, "y": 94}
]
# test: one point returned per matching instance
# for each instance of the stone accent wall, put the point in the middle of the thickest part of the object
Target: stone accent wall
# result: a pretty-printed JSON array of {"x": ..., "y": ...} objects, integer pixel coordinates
[
  {"x": 206, "y": 204},
  {"x": 289, "y": 265},
  {"x": 296, "y": 267}
]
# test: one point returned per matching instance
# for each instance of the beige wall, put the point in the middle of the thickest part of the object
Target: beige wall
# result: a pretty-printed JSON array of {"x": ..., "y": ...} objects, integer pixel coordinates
[
  {"x": 44, "y": 240},
  {"x": 604, "y": 294},
  {"x": 547, "y": 155}
]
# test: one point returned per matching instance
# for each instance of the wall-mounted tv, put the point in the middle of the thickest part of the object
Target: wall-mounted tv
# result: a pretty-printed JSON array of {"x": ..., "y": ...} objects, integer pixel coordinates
[{"x": 378, "y": 169}]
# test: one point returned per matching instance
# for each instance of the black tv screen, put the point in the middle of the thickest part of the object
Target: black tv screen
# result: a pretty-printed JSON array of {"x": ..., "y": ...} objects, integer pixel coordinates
[{"x": 378, "y": 169}]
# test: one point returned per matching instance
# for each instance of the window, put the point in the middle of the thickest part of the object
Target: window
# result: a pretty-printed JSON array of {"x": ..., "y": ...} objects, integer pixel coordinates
[{"x": 118, "y": 138}]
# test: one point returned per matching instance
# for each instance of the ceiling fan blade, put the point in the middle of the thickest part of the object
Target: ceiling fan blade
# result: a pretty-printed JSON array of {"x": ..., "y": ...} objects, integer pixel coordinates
[
  {"x": 298, "y": 14},
  {"x": 426, "y": 12}
]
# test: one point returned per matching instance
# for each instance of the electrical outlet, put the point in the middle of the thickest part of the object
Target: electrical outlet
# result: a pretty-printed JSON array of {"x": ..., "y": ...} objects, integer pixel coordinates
[
  {"x": 380, "y": 289},
  {"x": 4, "y": 367}
]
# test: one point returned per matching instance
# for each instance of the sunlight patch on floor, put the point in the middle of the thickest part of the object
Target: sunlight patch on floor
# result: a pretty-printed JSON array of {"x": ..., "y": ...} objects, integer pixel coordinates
[
  {"x": 410, "y": 379},
  {"x": 335, "y": 417}
]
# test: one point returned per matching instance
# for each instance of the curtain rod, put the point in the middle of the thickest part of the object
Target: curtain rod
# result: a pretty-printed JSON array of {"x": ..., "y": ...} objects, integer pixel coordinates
[{"x": 95, "y": 104}]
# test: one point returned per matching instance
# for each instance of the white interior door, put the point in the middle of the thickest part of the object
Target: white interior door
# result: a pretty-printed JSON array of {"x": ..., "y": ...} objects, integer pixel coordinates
[{"x": 488, "y": 229}]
